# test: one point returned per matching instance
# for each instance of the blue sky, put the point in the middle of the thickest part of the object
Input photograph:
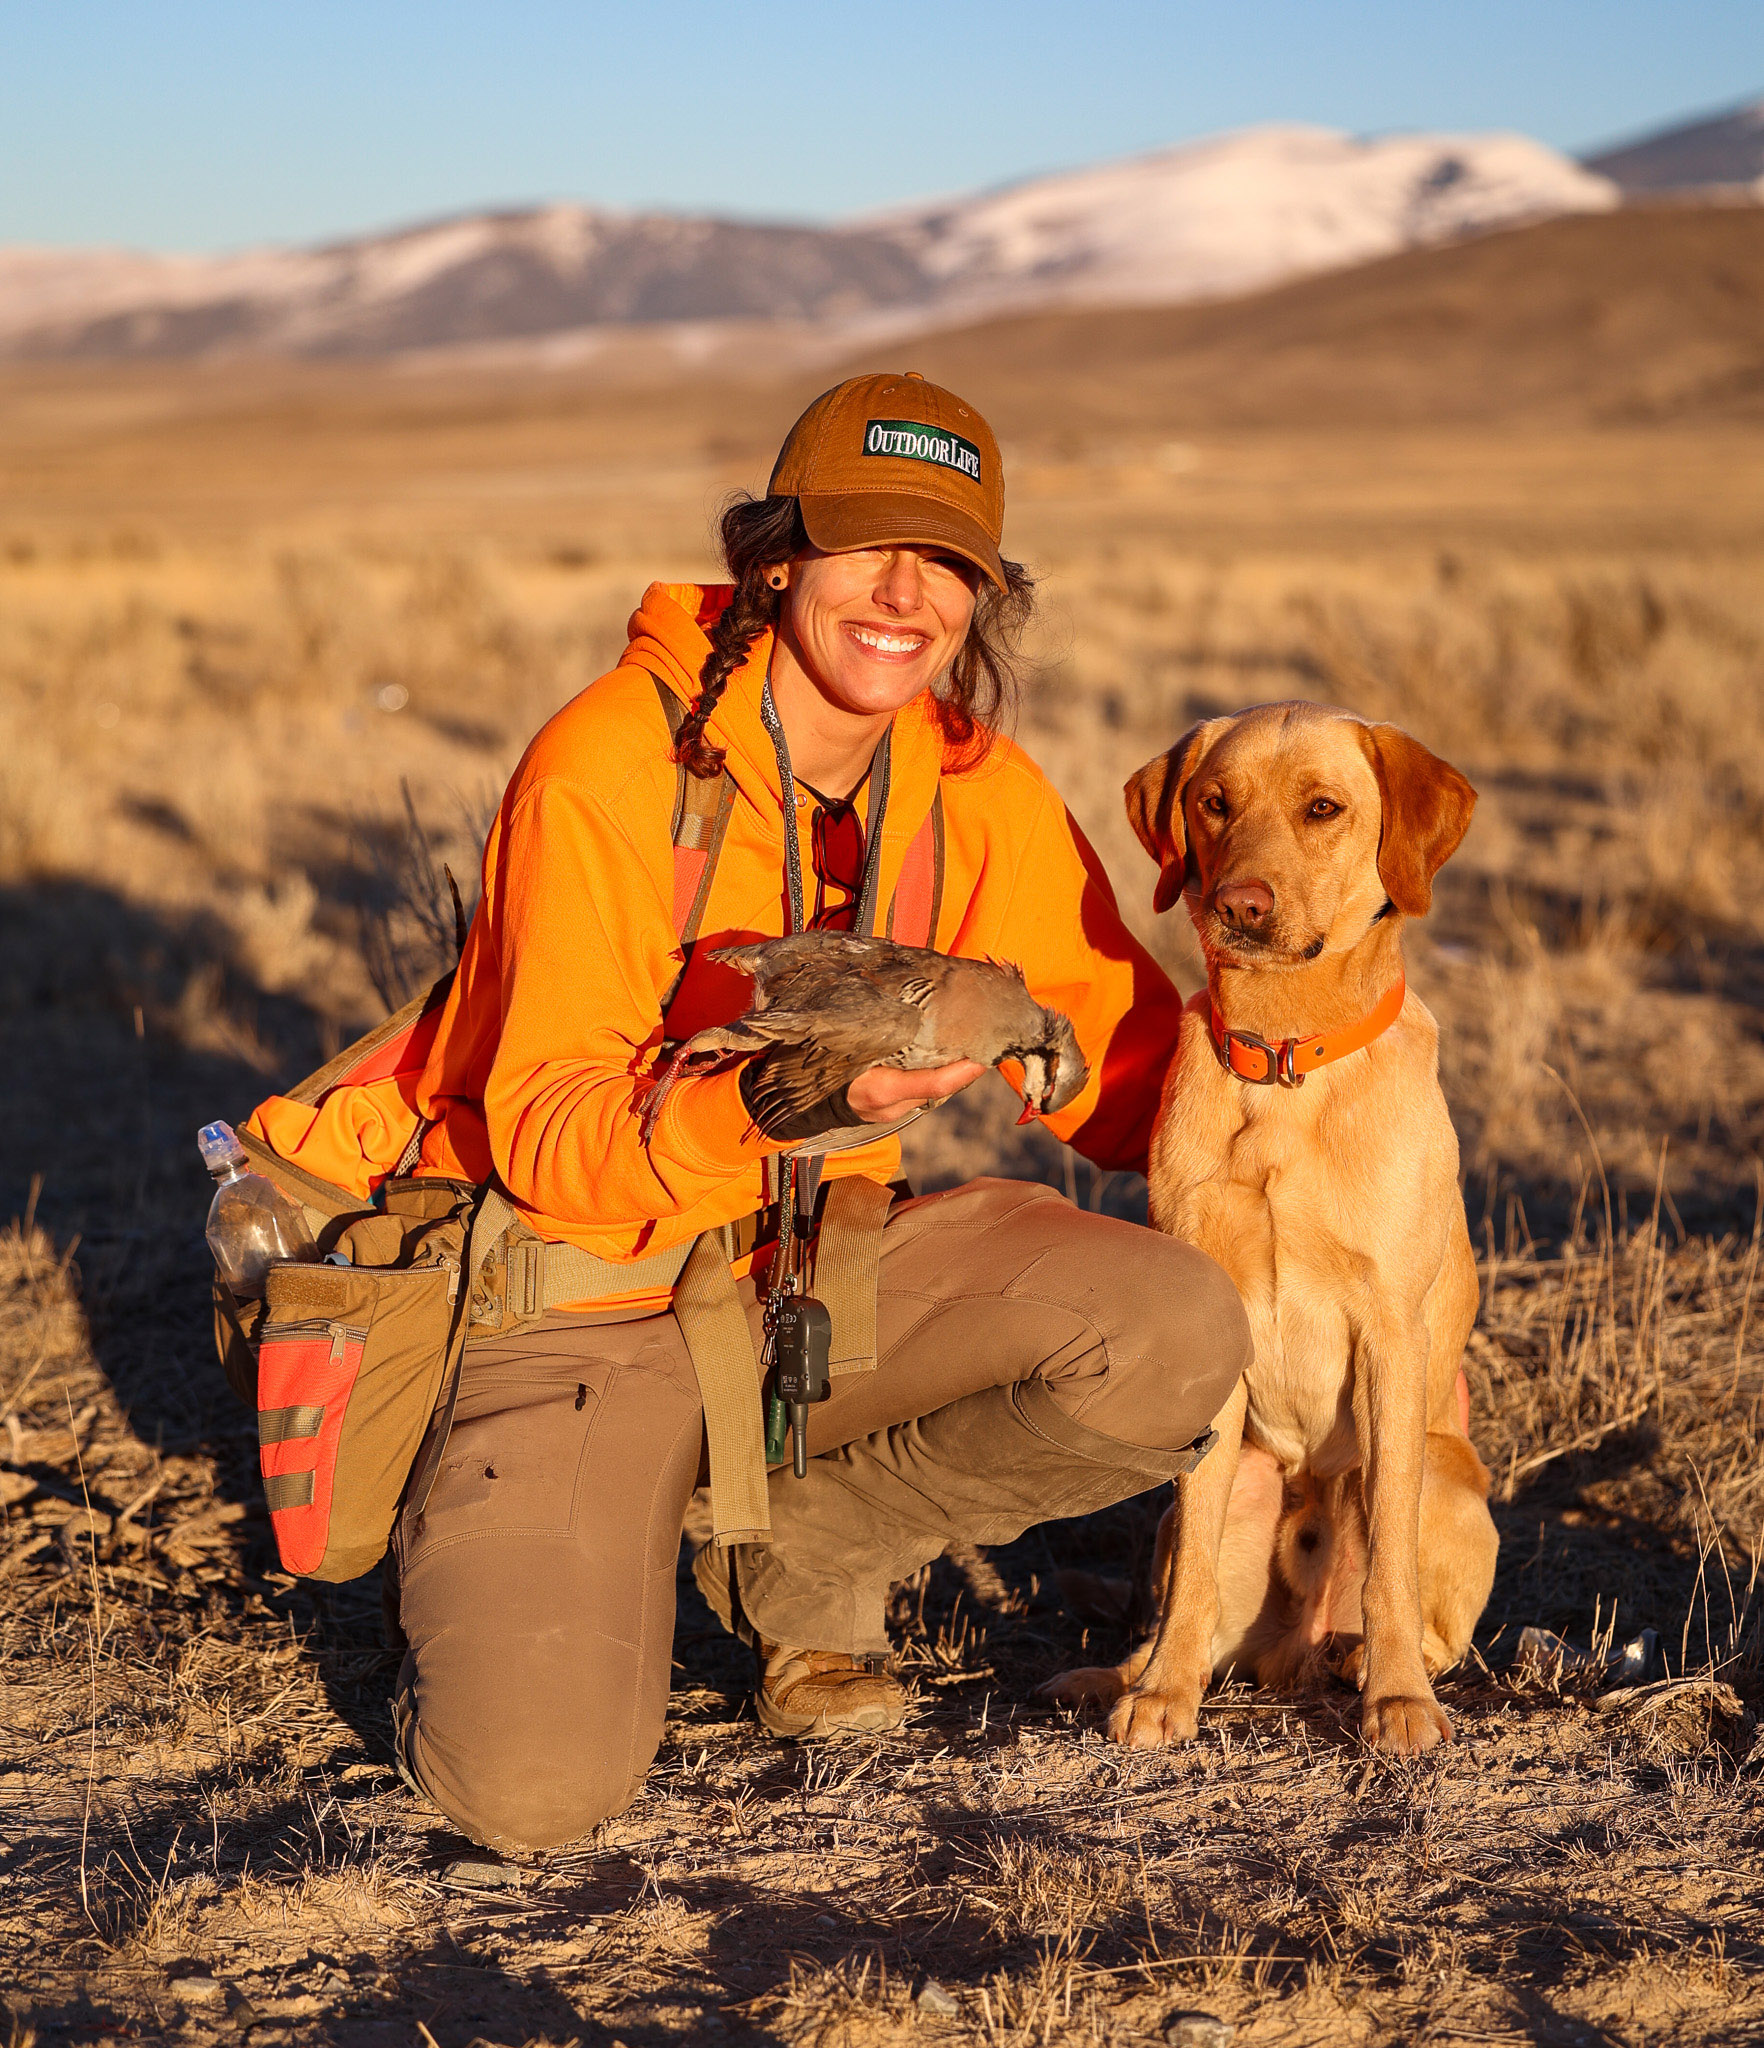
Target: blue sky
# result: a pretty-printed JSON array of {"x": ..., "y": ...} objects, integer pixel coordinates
[{"x": 198, "y": 125}]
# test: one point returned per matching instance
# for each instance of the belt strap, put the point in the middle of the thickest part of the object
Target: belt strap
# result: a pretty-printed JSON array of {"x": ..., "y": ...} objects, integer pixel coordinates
[
  {"x": 543, "y": 1276},
  {"x": 708, "y": 1308},
  {"x": 847, "y": 1256},
  {"x": 714, "y": 1324},
  {"x": 538, "y": 1275}
]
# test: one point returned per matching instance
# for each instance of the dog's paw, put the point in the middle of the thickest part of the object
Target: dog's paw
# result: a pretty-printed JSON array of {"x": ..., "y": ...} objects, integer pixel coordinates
[
  {"x": 1347, "y": 1659},
  {"x": 1437, "y": 1655},
  {"x": 1098, "y": 1685},
  {"x": 1153, "y": 1720},
  {"x": 1405, "y": 1726}
]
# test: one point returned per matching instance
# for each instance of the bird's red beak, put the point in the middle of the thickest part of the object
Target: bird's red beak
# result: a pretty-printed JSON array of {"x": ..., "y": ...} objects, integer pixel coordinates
[{"x": 1030, "y": 1113}]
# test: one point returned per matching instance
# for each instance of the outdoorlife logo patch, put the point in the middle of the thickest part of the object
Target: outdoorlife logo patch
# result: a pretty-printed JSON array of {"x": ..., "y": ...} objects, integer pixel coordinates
[{"x": 919, "y": 443}]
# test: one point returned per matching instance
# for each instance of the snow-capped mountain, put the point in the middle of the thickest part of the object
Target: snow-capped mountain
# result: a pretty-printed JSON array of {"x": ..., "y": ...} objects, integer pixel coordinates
[
  {"x": 1199, "y": 221},
  {"x": 483, "y": 277},
  {"x": 1238, "y": 211}
]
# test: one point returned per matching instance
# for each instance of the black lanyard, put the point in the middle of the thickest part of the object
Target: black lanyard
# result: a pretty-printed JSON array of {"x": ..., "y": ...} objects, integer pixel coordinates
[{"x": 865, "y": 918}]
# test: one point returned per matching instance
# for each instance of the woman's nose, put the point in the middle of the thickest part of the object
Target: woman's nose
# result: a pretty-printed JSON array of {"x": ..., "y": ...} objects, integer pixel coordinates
[{"x": 900, "y": 587}]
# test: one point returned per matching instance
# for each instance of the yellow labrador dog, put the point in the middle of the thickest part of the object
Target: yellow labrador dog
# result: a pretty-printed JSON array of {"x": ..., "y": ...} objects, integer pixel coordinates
[{"x": 1304, "y": 1143}]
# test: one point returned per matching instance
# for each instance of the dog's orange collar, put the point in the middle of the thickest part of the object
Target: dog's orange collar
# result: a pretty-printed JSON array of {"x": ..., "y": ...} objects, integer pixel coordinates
[{"x": 1253, "y": 1059}]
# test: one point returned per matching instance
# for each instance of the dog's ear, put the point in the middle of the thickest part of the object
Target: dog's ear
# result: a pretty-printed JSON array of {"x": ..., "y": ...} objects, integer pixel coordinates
[
  {"x": 1154, "y": 810},
  {"x": 1427, "y": 806}
]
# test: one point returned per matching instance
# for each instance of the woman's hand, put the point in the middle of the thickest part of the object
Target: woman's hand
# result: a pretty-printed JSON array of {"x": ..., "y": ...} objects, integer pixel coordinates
[{"x": 882, "y": 1095}]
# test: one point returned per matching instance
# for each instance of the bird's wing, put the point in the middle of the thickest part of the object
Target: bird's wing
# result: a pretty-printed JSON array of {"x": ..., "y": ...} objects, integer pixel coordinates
[
  {"x": 833, "y": 1004},
  {"x": 813, "y": 1056}
]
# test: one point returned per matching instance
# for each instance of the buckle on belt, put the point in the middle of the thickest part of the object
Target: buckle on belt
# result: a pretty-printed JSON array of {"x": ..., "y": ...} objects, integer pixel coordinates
[
  {"x": 524, "y": 1288},
  {"x": 511, "y": 1286},
  {"x": 1278, "y": 1058}
]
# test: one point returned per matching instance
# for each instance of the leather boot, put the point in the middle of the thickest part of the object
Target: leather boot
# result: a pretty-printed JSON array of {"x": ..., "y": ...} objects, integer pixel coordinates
[
  {"x": 825, "y": 1692},
  {"x": 868, "y": 1515},
  {"x": 803, "y": 1692}
]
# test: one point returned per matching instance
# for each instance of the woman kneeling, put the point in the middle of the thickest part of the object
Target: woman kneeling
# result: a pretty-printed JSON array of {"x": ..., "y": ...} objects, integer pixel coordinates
[{"x": 814, "y": 746}]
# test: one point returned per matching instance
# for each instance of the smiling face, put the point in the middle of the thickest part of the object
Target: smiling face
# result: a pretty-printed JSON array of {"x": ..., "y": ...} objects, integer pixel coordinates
[
  {"x": 872, "y": 628},
  {"x": 1289, "y": 827}
]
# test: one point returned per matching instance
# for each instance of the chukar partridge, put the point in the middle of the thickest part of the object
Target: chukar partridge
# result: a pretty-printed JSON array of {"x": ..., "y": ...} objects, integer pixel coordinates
[{"x": 829, "y": 1005}]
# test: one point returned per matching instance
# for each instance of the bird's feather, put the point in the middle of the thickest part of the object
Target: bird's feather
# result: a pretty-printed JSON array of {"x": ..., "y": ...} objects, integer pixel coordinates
[
  {"x": 813, "y": 1057},
  {"x": 827, "y": 1006}
]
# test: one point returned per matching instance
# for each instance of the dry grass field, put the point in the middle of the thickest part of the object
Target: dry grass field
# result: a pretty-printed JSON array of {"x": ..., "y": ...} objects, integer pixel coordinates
[{"x": 270, "y": 640}]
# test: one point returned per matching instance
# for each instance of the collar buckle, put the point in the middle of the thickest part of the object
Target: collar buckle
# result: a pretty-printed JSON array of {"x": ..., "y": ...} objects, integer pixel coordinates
[{"x": 1277, "y": 1060}]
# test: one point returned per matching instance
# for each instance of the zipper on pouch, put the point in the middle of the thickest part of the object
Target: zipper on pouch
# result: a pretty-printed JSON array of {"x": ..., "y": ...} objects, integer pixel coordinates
[
  {"x": 339, "y": 1334},
  {"x": 321, "y": 1326}
]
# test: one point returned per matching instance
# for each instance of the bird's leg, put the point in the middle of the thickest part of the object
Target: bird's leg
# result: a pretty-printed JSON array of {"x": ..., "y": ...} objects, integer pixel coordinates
[{"x": 703, "y": 1053}]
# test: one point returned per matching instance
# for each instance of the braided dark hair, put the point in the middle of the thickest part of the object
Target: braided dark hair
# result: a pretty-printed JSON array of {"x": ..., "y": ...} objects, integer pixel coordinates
[
  {"x": 976, "y": 699},
  {"x": 758, "y": 534}
]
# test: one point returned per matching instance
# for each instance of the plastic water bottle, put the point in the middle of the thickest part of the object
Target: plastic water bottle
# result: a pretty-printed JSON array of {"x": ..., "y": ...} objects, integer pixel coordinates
[{"x": 251, "y": 1223}]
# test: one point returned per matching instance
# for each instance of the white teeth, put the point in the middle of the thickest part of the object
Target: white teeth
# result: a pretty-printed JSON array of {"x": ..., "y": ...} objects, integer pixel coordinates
[{"x": 888, "y": 643}]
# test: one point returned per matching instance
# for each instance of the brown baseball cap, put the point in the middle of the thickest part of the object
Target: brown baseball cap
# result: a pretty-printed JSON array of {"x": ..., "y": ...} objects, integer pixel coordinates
[{"x": 892, "y": 461}]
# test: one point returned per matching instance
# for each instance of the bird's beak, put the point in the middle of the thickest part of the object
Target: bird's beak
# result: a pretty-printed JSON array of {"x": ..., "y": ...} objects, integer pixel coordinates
[{"x": 1037, "y": 1087}]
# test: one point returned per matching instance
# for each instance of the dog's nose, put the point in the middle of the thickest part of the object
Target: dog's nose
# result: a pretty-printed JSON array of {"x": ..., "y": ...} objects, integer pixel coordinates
[{"x": 1245, "y": 906}]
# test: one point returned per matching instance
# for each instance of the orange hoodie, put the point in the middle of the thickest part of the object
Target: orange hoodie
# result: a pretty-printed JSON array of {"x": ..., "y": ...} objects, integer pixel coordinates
[{"x": 540, "y": 1064}]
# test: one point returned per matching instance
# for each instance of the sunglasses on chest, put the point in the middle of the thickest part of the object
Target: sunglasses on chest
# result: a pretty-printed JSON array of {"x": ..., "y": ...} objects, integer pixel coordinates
[{"x": 838, "y": 849}]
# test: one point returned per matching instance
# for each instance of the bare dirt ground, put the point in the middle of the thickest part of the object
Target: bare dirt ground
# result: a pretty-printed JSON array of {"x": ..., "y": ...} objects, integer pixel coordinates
[
  {"x": 267, "y": 650},
  {"x": 205, "y": 1839}
]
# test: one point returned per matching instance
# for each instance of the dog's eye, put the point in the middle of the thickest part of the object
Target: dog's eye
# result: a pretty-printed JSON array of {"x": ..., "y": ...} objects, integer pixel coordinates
[
  {"x": 1324, "y": 807},
  {"x": 1215, "y": 805}
]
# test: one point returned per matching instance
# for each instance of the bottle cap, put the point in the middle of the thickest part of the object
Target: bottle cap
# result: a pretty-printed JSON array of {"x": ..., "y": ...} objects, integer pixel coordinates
[{"x": 220, "y": 1147}]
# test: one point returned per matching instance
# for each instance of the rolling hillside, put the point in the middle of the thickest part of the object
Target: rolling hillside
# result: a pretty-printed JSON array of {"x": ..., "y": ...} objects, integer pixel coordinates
[
  {"x": 1629, "y": 317},
  {"x": 1723, "y": 151}
]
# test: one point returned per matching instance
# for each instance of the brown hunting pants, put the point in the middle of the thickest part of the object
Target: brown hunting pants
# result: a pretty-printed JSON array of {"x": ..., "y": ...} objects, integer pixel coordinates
[{"x": 537, "y": 1591}]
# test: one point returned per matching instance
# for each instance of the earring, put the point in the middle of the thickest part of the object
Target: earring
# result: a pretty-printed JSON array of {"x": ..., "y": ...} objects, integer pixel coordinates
[{"x": 778, "y": 578}]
